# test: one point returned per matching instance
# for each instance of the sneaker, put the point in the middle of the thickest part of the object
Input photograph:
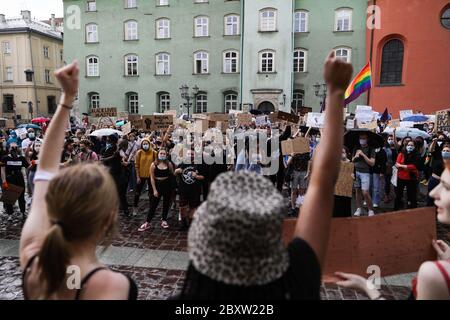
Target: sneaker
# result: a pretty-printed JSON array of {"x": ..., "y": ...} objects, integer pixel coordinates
[
  {"x": 424, "y": 181},
  {"x": 375, "y": 205},
  {"x": 164, "y": 225},
  {"x": 364, "y": 204},
  {"x": 357, "y": 212},
  {"x": 144, "y": 227},
  {"x": 371, "y": 213}
]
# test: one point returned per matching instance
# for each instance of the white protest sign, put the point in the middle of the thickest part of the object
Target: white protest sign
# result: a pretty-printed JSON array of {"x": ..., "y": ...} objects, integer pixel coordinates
[
  {"x": 350, "y": 124},
  {"x": 406, "y": 113},
  {"x": 363, "y": 109},
  {"x": 406, "y": 124},
  {"x": 21, "y": 133},
  {"x": 260, "y": 121},
  {"x": 315, "y": 120}
]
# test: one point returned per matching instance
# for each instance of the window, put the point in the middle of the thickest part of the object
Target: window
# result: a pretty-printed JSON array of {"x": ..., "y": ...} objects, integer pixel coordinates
[
  {"x": 91, "y": 5},
  {"x": 344, "y": 54},
  {"x": 230, "y": 62},
  {"x": 94, "y": 100},
  {"x": 200, "y": 1},
  {"x": 130, "y": 4},
  {"x": 133, "y": 103},
  {"x": 201, "y": 63},
  {"x": 392, "y": 62},
  {"x": 298, "y": 101},
  {"x": 301, "y": 21},
  {"x": 300, "y": 60},
  {"x": 8, "y": 103},
  {"x": 163, "y": 29},
  {"x": 131, "y": 30},
  {"x": 7, "y": 47},
  {"x": 231, "y": 25},
  {"x": 231, "y": 102},
  {"x": 202, "y": 103},
  {"x": 163, "y": 2},
  {"x": 51, "y": 104},
  {"x": 343, "y": 18},
  {"x": 164, "y": 102},
  {"x": 29, "y": 75},
  {"x": 201, "y": 26},
  {"x": 47, "y": 76},
  {"x": 9, "y": 74},
  {"x": 92, "y": 67},
  {"x": 267, "y": 61},
  {"x": 162, "y": 64},
  {"x": 268, "y": 20},
  {"x": 445, "y": 18},
  {"x": 91, "y": 33},
  {"x": 46, "y": 54},
  {"x": 131, "y": 65}
]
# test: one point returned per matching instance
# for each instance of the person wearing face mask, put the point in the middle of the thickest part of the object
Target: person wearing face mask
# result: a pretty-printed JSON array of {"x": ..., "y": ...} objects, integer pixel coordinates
[
  {"x": 33, "y": 151},
  {"x": 67, "y": 157},
  {"x": 11, "y": 167},
  {"x": 31, "y": 137},
  {"x": 378, "y": 172},
  {"x": 390, "y": 148},
  {"x": 364, "y": 160},
  {"x": 437, "y": 167},
  {"x": 86, "y": 154},
  {"x": 134, "y": 143},
  {"x": 408, "y": 174},
  {"x": 161, "y": 173},
  {"x": 144, "y": 159}
]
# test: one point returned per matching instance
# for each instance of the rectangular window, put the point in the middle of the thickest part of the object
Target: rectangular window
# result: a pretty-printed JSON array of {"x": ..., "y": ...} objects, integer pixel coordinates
[
  {"x": 91, "y": 6},
  {"x": 51, "y": 104},
  {"x": 9, "y": 74},
  {"x": 46, "y": 54},
  {"x": 201, "y": 27},
  {"x": 47, "y": 76},
  {"x": 7, "y": 47},
  {"x": 163, "y": 2},
  {"x": 163, "y": 29},
  {"x": 268, "y": 20},
  {"x": 133, "y": 104},
  {"x": 130, "y": 4},
  {"x": 231, "y": 25},
  {"x": 8, "y": 103},
  {"x": 301, "y": 21}
]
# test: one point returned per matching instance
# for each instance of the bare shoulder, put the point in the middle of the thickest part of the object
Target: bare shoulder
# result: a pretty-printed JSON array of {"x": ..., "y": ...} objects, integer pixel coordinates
[
  {"x": 106, "y": 285},
  {"x": 431, "y": 283}
]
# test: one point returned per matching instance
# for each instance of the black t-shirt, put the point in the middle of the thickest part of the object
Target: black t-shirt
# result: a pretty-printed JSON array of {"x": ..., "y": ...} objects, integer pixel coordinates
[
  {"x": 187, "y": 184},
  {"x": 300, "y": 162},
  {"x": 13, "y": 166}
]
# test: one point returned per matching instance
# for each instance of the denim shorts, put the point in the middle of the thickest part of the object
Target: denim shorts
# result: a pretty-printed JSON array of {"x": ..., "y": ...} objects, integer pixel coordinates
[
  {"x": 298, "y": 180},
  {"x": 362, "y": 181}
]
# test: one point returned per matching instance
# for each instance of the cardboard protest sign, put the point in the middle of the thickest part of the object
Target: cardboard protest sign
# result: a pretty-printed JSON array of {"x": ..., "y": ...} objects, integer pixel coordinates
[
  {"x": 218, "y": 116},
  {"x": 406, "y": 113},
  {"x": 244, "y": 119},
  {"x": 222, "y": 126},
  {"x": 10, "y": 195},
  {"x": 304, "y": 110},
  {"x": 201, "y": 125},
  {"x": 104, "y": 112},
  {"x": 394, "y": 123},
  {"x": 442, "y": 120},
  {"x": 200, "y": 116},
  {"x": 315, "y": 120},
  {"x": 171, "y": 112},
  {"x": 284, "y": 116},
  {"x": 136, "y": 121},
  {"x": 232, "y": 120},
  {"x": 344, "y": 184},
  {"x": 295, "y": 146},
  {"x": 372, "y": 125},
  {"x": 161, "y": 122},
  {"x": 404, "y": 245},
  {"x": 122, "y": 115}
]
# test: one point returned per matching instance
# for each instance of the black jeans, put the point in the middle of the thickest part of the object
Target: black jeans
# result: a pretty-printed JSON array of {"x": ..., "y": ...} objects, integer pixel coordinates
[
  {"x": 165, "y": 191},
  {"x": 18, "y": 181},
  {"x": 121, "y": 184},
  {"x": 139, "y": 187},
  {"x": 411, "y": 192},
  {"x": 432, "y": 183}
]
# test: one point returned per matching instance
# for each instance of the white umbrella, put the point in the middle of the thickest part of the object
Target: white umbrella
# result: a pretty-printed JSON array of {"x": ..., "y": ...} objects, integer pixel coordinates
[
  {"x": 407, "y": 132},
  {"x": 106, "y": 132}
]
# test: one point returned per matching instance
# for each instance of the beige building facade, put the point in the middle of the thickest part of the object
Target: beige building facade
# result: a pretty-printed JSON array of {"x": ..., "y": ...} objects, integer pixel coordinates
[{"x": 30, "y": 52}]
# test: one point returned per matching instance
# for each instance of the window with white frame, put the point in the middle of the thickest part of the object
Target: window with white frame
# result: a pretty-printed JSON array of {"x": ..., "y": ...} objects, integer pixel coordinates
[
  {"x": 301, "y": 21},
  {"x": 231, "y": 25},
  {"x": 201, "y": 26},
  {"x": 344, "y": 54},
  {"x": 93, "y": 69},
  {"x": 130, "y": 4},
  {"x": 7, "y": 47},
  {"x": 133, "y": 103},
  {"x": 47, "y": 76},
  {"x": 131, "y": 30},
  {"x": 91, "y": 33},
  {"x": 300, "y": 60},
  {"x": 94, "y": 100},
  {"x": 267, "y": 61},
  {"x": 231, "y": 102},
  {"x": 9, "y": 74},
  {"x": 201, "y": 63},
  {"x": 230, "y": 61},
  {"x": 46, "y": 52},
  {"x": 268, "y": 20},
  {"x": 164, "y": 102},
  {"x": 202, "y": 103},
  {"x": 163, "y": 2},
  {"x": 91, "y": 5},
  {"x": 162, "y": 63},
  {"x": 131, "y": 65},
  {"x": 298, "y": 101},
  {"x": 163, "y": 28},
  {"x": 343, "y": 19}
]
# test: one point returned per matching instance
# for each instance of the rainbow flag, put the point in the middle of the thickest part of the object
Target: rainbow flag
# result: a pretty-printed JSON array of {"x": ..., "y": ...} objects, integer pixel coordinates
[{"x": 359, "y": 85}]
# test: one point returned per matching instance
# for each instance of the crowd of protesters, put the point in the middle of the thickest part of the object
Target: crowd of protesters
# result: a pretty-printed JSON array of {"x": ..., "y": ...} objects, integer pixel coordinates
[{"x": 232, "y": 209}]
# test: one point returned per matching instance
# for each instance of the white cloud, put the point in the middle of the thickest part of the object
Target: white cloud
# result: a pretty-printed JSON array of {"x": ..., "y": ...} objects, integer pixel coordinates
[{"x": 40, "y": 9}]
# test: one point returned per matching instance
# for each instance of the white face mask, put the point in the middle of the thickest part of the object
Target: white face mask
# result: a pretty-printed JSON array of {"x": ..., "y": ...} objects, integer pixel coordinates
[
  {"x": 391, "y": 142},
  {"x": 145, "y": 147}
]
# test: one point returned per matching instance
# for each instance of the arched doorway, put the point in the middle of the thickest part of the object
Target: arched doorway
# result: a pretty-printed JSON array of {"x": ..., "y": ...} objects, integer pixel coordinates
[{"x": 266, "y": 107}]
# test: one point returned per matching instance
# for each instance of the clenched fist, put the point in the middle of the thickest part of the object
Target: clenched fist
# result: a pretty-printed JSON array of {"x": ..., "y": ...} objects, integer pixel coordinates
[{"x": 337, "y": 73}]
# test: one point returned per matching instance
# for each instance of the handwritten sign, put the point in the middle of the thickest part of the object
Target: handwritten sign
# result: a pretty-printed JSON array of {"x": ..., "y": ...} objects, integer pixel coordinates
[
  {"x": 244, "y": 119},
  {"x": 315, "y": 120},
  {"x": 344, "y": 184},
  {"x": 104, "y": 112},
  {"x": 161, "y": 122},
  {"x": 284, "y": 116},
  {"x": 442, "y": 120}
]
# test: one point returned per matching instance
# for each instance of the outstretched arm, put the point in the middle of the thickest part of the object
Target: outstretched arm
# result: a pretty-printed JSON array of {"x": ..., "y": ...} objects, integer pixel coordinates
[
  {"x": 313, "y": 224},
  {"x": 38, "y": 223}
]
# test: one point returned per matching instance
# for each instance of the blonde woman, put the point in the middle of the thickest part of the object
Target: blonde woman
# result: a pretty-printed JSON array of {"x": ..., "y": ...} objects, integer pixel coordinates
[{"x": 68, "y": 219}]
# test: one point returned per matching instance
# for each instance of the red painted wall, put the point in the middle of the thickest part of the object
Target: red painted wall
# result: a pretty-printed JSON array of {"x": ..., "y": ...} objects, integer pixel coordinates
[{"x": 426, "y": 64}]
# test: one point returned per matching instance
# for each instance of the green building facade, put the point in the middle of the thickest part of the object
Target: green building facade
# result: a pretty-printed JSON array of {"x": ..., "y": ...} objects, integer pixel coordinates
[{"x": 135, "y": 54}]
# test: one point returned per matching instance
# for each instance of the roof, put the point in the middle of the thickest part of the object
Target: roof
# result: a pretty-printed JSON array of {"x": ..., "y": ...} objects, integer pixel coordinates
[{"x": 19, "y": 24}]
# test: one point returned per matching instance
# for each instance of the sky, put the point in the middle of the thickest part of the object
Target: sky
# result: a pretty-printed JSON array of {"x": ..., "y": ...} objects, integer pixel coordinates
[{"x": 40, "y": 9}]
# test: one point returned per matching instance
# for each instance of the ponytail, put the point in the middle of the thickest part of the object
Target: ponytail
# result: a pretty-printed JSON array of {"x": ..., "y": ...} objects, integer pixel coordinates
[{"x": 53, "y": 259}]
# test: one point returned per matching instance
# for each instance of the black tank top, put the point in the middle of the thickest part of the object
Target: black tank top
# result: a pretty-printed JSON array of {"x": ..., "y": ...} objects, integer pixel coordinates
[
  {"x": 132, "y": 293},
  {"x": 165, "y": 173}
]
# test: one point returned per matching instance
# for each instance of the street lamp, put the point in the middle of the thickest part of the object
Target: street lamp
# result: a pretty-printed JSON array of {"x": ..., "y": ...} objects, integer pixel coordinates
[
  {"x": 184, "y": 90},
  {"x": 322, "y": 95}
]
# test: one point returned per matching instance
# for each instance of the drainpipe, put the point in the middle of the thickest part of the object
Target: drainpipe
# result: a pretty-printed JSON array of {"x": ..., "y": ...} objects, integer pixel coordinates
[
  {"x": 292, "y": 55},
  {"x": 241, "y": 60},
  {"x": 34, "y": 73},
  {"x": 372, "y": 33}
]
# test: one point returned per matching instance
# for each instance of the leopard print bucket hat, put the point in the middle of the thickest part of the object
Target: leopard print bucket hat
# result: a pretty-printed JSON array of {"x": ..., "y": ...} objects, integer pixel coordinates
[{"x": 236, "y": 235}]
